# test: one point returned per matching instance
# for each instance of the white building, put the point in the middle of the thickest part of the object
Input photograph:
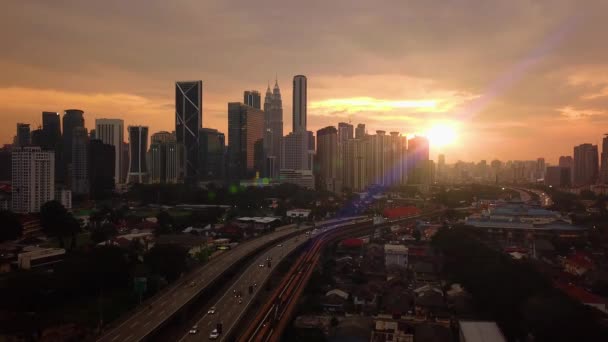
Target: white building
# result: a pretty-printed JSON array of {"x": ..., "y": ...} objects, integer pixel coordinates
[
  {"x": 64, "y": 197},
  {"x": 35, "y": 257},
  {"x": 33, "y": 179},
  {"x": 111, "y": 132},
  {"x": 395, "y": 255},
  {"x": 303, "y": 178}
]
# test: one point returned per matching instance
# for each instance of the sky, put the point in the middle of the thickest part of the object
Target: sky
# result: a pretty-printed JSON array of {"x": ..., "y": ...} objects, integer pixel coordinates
[{"x": 516, "y": 79}]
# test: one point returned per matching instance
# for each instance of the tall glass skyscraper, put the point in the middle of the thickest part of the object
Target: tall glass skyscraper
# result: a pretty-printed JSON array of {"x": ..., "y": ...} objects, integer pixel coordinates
[
  {"x": 299, "y": 103},
  {"x": 245, "y": 132},
  {"x": 252, "y": 98},
  {"x": 138, "y": 146},
  {"x": 188, "y": 121}
]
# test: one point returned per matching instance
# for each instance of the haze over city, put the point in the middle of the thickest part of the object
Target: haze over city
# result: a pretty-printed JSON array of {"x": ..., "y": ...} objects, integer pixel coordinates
[{"x": 458, "y": 68}]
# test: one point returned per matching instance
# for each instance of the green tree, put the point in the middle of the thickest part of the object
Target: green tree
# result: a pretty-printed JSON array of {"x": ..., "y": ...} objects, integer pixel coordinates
[
  {"x": 11, "y": 228},
  {"x": 57, "y": 222},
  {"x": 168, "y": 261}
]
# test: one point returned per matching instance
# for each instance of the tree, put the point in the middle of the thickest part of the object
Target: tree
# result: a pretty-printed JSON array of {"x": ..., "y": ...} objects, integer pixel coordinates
[
  {"x": 11, "y": 228},
  {"x": 54, "y": 221},
  {"x": 168, "y": 260}
]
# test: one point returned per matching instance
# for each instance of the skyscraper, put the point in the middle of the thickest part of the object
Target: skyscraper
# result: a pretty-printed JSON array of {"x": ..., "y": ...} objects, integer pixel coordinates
[
  {"x": 72, "y": 118},
  {"x": 299, "y": 103},
  {"x": 441, "y": 168},
  {"x": 360, "y": 131},
  {"x": 252, "y": 98},
  {"x": 164, "y": 154},
  {"x": 604, "y": 161},
  {"x": 586, "y": 164},
  {"x": 327, "y": 152},
  {"x": 79, "y": 183},
  {"x": 213, "y": 146},
  {"x": 33, "y": 179},
  {"x": 23, "y": 135},
  {"x": 295, "y": 153},
  {"x": 273, "y": 130},
  {"x": 188, "y": 120},
  {"x": 102, "y": 168},
  {"x": 51, "y": 128},
  {"x": 138, "y": 146},
  {"x": 417, "y": 153},
  {"x": 111, "y": 132},
  {"x": 245, "y": 130},
  {"x": 345, "y": 132}
]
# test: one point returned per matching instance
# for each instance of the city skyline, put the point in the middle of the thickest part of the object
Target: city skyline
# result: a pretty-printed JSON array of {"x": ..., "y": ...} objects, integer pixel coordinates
[{"x": 395, "y": 76}]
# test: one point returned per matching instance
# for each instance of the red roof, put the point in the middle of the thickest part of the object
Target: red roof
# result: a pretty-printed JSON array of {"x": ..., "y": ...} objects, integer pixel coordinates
[
  {"x": 352, "y": 243},
  {"x": 399, "y": 212},
  {"x": 580, "y": 294}
]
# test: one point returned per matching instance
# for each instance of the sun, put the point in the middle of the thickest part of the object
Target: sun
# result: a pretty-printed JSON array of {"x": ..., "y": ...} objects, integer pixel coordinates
[{"x": 441, "y": 135}]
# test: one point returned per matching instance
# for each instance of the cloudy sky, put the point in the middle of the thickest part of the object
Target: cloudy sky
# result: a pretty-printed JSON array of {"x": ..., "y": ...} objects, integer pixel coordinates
[{"x": 516, "y": 79}]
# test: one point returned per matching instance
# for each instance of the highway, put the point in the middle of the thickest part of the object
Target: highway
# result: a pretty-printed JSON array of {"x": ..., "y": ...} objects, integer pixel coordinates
[
  {"x": 150, "y": 316},
  {"x": 228, "y": 311}
]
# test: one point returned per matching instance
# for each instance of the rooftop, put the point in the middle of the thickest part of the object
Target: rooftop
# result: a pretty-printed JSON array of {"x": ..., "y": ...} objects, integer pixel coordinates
[{"x": 478, "y": 331}]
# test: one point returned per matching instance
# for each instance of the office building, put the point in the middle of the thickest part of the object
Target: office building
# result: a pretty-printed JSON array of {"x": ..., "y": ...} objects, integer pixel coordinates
[
  {"x": 604, "y": 161},
  {"x": 328, "y": 159},
  {"x": 417, "y": 152},
  {"x": 245, "y": 132},
  {"x": 79, "y": 170},
  {"x": 273, "y": 130},
  {"x": 213, "y": 149},
  {"x": 37, "y": 138},
  {"x": 557, "y": 176},
  {"x": 540, "y": 169},
  {"x": 568, "y": 163},
  {"x": 163, "y": 136},
  {"x": 441, "y": 168},
  {"x": 586, "y": 165},
  {"x": 252, "y": 98},
  {"x": 33, "y": 179},
  {"x": 299, "y": 103},
  {"x": 138, "y": 146},
  {"x": 5, "y": 163},
  {"x": 72, "y": 118},
  {"x": 102, "y": 168},
  {"x": 302, "y": 178},
  {"x": 23, "y": 135},
  {"x": 360, "y": 131},
  {"x": 345, "y": 132},
  {"x": 111, "y": 132},
  {"x": 165, "y": 166},
  {"x": 188, "y": 120},
  {"x": 64, "y": 197},
  {"x": 51, "y": 127},
  {"x": 295, "y": 151},
  {"x": 356, "y": 163}
]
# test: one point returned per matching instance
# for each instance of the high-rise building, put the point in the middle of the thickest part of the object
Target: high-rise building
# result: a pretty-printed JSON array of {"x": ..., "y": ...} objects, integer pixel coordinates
[
  {"x": 557, "y": 176},
  {"x": 213, "y": 147},
  {"x": 51, "y": 127},
  {"x": 360, "y": 131},
  {"x": 111, "y": 132},
  {"x": 163, "y": 136},
  {"x": 345, "y": 132},
  {"x": 33, "y": 179},
  {"x": 356, "y": 161},
  {"x": 252, "y": 98},
  {"x": 245, "y": 130},
  {"x": 568, "y": 163},
  {"x": 586, "y": 164},
  {"x": 273, "y": 130},
  {"x": 92, "y": 134},
  {"x": 72, "y": 118},
  {"x": 5, "y": 163},
  {"x": 37, "y": 138},
  {"x": 604, "y": 161},
  {"x": 79, "y": 170},
  {"x": 188, "y": 120},
  {"x": 138, "y": 146},
  {"x": 441, "y": 171},
  {"x": 295, "y": 151},
  {"x": 299, "y": 103},
  {"x": 102, "y": 168},
  {"x": 417, "y": 152},
  {"x": 163, "y": 158},
  {"x": 327, "y": 159},
  {"x": 23, "y": 135},
  {"x": 540, "y": 169}
]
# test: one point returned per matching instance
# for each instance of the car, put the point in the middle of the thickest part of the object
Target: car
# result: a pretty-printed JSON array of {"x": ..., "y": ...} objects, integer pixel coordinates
[
  {"x": 211, "y": 311},
  {"x": 261, "y": 265},
  {"x": 255, "y": 284},
  {"x": 214, "y": 334},
  {"x": 240, "y": 301},
  {"x": 269, "y": 258},
  {"x": 193, "y": 330},
  {"x": 192, "y": 284},
  {"x": 280, "y": 245}
]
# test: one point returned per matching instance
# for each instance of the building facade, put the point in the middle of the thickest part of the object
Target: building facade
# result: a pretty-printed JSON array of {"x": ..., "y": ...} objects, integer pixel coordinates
[
  {"x": 273, "y": 130},
  {"x": 138, "y": 146},
  {"x": 213, "y": 150},
  {"x": 33, "y": 179},
  {"x": 188, "y": 120},
  {"x": 299, "y": 103},
  {"x": 72, "y": 118},
  {"x": 79, "y": 169},
  {"x": 23, "y": 135},
  {"x": 102, "y": 168},
  {"x": 328, "y": 159},
  {"x": 586, "y": 164},
  {"x": 252, "y": 98},
  {"x": 111, "y": 132},
  {"x": 245, "y": 131}
]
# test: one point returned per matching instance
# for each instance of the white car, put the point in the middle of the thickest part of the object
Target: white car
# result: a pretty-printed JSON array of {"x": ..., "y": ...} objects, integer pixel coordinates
[
  {"x": 211, "y": 310},
  {"x": 214, "y": 335},
  {"x": 261, "y": 265},
  {"x": 280, "y": 245},
  {"x": 193, "y": 330}
]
